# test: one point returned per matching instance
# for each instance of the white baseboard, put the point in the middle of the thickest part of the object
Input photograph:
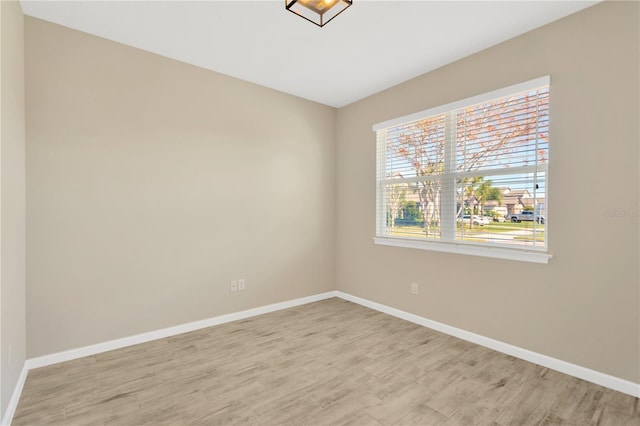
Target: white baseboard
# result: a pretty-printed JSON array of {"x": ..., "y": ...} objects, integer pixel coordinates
[
  {"x": 71, "y": 354},
  {"x": 584, "y": 373},
  {"x": 15, "y": 397},
  {"x": 602, "y": 379}
]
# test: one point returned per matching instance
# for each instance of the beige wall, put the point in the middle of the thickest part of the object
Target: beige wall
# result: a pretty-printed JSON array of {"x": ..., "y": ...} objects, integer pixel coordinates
[
  {"x": 153, "y": 183},
  {"x": 583, "y": 307},
  {"x": 12, "y": 199}
]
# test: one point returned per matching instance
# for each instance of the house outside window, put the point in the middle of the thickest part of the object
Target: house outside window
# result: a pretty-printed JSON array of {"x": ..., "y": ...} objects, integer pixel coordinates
[{"x": 468, "y": 177}]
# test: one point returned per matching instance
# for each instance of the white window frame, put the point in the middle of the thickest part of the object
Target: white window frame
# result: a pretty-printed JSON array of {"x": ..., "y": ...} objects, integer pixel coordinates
[{"x": 535, "y": 255}]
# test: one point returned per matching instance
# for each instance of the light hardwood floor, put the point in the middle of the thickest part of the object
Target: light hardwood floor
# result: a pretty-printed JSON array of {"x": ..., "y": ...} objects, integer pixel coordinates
[{"x": 326, "y": 363}]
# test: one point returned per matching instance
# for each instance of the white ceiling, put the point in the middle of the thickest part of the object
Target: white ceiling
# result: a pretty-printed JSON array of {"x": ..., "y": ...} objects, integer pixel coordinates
[{"x": 373, "y": 45}]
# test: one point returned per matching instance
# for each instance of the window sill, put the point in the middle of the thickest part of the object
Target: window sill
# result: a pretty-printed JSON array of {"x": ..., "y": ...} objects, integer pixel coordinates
[{"x": 485, "y": 251}]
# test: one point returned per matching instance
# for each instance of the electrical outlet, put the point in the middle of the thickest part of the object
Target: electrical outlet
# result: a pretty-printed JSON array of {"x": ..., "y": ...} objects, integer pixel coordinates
[
  {"x": 234, "y": 286},
  {"x": 241, "y": 284},
  {"x": 414, "y": 288}
]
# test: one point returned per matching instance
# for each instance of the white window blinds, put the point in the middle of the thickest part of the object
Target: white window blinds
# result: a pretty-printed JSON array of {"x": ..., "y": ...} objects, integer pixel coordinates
[{"x": 471, "y": 172}]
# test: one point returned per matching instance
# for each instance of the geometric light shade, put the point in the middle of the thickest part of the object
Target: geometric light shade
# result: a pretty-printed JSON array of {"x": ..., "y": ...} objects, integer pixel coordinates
[{"x": 317, "y": 11}]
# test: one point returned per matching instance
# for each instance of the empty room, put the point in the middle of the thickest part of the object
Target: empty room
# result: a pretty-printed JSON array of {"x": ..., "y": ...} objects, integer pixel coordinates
[{"x": 319, "y": 212}]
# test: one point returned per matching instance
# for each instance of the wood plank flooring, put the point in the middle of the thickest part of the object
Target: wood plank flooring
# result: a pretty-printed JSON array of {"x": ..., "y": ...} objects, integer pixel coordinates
[{"x": 326, "y": 363}]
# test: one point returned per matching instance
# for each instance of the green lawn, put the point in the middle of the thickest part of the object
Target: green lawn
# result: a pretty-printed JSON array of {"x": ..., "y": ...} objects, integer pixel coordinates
[
  {"x": 470, "y": 232},
  {"x": 508, "y": 226}
]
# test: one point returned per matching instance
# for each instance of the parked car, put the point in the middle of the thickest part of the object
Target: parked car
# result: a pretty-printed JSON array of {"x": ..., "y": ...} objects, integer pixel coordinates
[
  {"x": 489, "y": 219},
  {"x": 526, "y": 216},
  {"x": 476, "y": 220}
]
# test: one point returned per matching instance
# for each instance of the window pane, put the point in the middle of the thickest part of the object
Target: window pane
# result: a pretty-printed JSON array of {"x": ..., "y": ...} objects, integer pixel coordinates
[
  {"x": 415, "y": 149},
  {"x": 413, "y": 209},
  {"x": 507, "y": 132},
  {"x": 505, "y": 209}
]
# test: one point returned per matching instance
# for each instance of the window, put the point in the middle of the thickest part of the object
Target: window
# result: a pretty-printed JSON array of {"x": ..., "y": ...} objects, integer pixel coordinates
[{"x": 468, "y": 177}]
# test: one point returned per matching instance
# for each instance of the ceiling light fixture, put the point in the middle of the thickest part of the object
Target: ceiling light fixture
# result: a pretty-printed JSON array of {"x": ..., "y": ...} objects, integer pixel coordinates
[{"x": 317, "y": 11}]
